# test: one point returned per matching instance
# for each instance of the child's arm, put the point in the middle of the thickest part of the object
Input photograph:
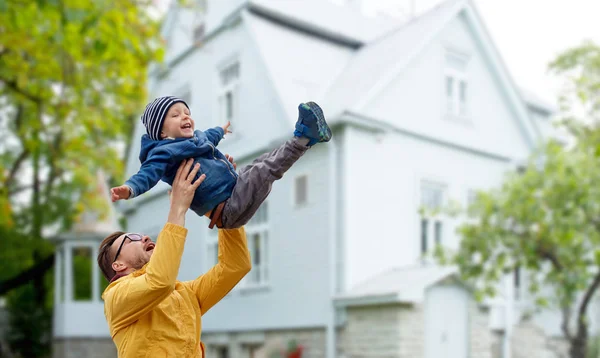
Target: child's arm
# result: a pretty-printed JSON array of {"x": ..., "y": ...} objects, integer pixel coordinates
[
  {"x": 145, "y": 179},
  {"x": 216, "y": 134}
]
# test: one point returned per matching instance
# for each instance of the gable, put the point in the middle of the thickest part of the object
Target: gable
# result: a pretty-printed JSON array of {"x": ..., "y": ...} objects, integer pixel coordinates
[
  {"x": 303, "y": 70},
  {"x": 416, "y": 99},
  {"x": 178, "y": 30},
  {"x": 379, "y": 66},
  {"x": 390, "y": 53}
]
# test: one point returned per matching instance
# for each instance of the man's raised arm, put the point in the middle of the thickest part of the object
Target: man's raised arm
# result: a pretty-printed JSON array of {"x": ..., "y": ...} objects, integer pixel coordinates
[{"x": 137, "y": 296}]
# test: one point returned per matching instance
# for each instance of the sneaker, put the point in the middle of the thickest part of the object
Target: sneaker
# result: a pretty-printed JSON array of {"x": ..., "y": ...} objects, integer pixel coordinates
[{"x": 311, "y": 124}]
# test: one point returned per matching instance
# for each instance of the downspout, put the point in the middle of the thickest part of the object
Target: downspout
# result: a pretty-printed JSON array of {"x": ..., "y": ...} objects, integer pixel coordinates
[{"x": 330, "y": 338}]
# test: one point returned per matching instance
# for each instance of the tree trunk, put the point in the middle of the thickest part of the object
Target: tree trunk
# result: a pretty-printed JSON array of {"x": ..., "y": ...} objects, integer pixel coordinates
[
  {"x": 579, "y": 345},
  {"x": 24, "y": 277}
]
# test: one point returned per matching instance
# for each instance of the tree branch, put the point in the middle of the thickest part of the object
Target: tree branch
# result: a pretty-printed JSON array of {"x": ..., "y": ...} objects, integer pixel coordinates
[
  {"x": 585, "y": 302},
  {"x": 566, "y": 313},
  {"x": 24, "y": 154},
  {"x": 24, "y": 277},
  {"x": 13, "y": 86},
  {"x": 15, "y": 168},
  {"x": 19, "y": 189},
  {"x": 550, "y": 256}
]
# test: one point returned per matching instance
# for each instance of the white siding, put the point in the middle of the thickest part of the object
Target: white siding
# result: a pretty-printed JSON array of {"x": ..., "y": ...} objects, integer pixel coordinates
[
  {"x": 383, "y": 174},
  {"x": 298, "y": 292},
  {"x": 416, "y": 100}
]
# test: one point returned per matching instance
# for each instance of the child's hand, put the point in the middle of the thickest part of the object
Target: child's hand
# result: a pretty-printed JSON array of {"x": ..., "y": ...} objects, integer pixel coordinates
[
  {"x": 230, "y": 158},
  {"x": 226, "y": 128},
  {"x": 120, "y": 192}
]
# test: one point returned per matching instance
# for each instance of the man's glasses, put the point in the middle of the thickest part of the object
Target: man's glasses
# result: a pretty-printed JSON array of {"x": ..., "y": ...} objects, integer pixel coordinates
[{"x": 131, "y": 237}]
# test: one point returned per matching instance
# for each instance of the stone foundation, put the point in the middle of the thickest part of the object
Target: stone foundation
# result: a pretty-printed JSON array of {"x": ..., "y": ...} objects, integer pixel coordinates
[
  {"x": 263, "y": 344},
  {"x": 398, "y": 331},
  {"x": 387, "y": 331},
  {"x": 371, "y": 331},
  {"x": 84, "y": 348},
  {"x": 529, "y": 341}
]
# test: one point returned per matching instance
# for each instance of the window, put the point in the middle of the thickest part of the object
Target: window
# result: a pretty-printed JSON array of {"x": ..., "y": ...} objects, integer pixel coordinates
[
  {"x": 228, "y": 99},
  {"x": 431, "y": 227},
  {"x": 432, "y": 195},
  {"x": 471, "y": 197},
  {"x": 457, "y": 87},
  {"x": 257, "y": 233},
  {"x": 438, "y": 232},
  {"x": 301, "y": 190},
  {"x": 222, "y": 352},
  {"x": 517, "y": 283}
]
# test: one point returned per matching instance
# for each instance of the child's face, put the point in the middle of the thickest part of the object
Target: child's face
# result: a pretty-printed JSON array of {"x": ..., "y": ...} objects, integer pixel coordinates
[{"x": 178, "y": 123}]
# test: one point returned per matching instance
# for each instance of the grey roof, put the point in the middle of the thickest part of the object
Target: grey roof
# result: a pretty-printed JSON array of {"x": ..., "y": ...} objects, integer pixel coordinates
[
  {"x": 351, "y": 80},
  {"x": 304, "y": 69},
  {"x": 327, "y": 17},
  {"x": 536, "y": 102},
  {"x": 394, "y": 50},
  {"x": 405, "y": 284}
]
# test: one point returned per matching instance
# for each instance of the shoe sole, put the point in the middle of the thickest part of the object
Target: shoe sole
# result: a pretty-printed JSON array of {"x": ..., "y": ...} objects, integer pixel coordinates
[{"x": 324, "y": 130}]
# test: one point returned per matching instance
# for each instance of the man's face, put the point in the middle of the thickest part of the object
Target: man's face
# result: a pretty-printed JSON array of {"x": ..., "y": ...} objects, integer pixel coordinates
[
  {"x": 135, "y": 251},
  {"x": 178, "y": 123}
]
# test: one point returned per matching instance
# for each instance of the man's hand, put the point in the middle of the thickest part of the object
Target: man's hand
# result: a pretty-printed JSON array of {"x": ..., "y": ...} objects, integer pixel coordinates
[
  {"x": 183, "y": 190},
  {"x": 226, "y": 128},
  {"x": 120, "y": 192}
]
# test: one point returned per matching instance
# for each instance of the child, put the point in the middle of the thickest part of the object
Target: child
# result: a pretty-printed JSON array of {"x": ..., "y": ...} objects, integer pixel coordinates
[{"x": 229, "y": 199}]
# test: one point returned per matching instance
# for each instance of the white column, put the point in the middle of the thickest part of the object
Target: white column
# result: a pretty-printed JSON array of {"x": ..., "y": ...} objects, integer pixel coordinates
[
  {"x": 95, "y": 276},
  {"x": 508, "y": 318},
  {"x": 58, "y": 279},
  {"x": 330, "y": 330},
  {"x": 68, "y": 253}
]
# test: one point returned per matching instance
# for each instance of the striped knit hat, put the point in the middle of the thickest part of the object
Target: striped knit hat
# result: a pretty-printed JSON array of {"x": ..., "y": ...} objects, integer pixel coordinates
[{"x": 155, "y": 113}]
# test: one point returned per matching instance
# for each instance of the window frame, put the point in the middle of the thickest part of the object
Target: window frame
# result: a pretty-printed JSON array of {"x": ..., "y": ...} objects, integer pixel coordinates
[
  {"x": 228, "y": 89},
  {"x": 456, "y": 67},
  {"x": 258, "y": 225},
  {"x": 434, "y": 225}
]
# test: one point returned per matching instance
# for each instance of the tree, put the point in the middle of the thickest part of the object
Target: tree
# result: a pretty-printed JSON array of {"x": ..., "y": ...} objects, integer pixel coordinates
[
  {"x": 72, "y": 81},
  {"x": 546, "y": 219}
]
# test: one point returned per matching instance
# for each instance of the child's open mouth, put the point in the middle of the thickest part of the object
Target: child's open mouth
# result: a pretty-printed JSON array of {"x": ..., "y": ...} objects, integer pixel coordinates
[{"x": 187, "y": 126}]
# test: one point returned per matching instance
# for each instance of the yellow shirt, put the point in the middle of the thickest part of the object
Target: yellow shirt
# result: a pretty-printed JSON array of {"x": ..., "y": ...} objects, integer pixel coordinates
[{"x": 151, "y": 314}]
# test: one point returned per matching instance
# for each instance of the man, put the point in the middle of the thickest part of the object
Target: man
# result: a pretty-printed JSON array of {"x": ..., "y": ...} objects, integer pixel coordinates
[{"x": 149, "y": 312}]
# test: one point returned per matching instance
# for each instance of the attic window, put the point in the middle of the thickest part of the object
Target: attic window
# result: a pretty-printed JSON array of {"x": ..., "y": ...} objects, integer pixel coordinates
[
  {"x": 229, "y": 77},
  {"x": 456, "y": 85}
]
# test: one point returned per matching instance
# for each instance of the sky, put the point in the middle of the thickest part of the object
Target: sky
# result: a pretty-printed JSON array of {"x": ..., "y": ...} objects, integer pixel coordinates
[{"x": 529, "y": 34}]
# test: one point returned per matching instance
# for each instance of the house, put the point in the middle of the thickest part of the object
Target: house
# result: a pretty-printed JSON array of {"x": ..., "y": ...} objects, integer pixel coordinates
[{"x": 423, "y": 110}]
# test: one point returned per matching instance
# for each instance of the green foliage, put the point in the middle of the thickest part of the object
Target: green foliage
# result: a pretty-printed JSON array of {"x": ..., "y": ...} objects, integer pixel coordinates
[
  {"x": 72, "y": 82},
  {"x": 546, "y": 219},
  {"x": 30, "y": 322}
]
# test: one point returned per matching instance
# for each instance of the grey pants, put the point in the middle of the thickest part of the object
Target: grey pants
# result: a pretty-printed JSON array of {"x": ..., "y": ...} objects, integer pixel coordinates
[{"x": 255, "y": 181}]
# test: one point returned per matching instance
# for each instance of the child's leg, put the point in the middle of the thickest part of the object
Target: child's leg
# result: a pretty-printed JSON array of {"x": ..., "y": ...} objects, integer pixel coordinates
[{"x": 256, "y": 180}]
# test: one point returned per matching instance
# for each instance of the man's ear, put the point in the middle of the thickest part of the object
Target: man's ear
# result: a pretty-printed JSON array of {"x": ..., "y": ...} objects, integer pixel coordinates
[{"x": 118, "y": 266}]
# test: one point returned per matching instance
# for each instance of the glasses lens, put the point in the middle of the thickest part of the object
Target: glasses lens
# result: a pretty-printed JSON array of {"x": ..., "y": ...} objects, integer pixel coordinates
[{"x": 135, "y": 237}]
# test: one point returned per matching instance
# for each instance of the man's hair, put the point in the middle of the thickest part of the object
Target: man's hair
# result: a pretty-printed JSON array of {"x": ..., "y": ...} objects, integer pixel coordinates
[{"x": 104, "y": 259}]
